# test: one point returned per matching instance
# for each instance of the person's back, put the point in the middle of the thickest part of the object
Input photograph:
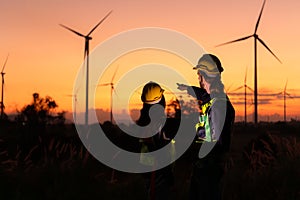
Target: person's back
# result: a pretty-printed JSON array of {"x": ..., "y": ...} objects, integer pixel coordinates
[
  {"x": 158, "y": 182},
  {"x": 225, "y": 124},
  {"x": 218, "y": 122}
]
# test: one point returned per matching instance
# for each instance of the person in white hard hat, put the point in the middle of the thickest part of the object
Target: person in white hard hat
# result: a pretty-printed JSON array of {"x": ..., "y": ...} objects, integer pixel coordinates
[{"x": 216, "y": 118}]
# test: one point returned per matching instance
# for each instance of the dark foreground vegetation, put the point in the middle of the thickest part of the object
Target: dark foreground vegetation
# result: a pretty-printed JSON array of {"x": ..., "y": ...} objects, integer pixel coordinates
[{"x": 50, "y": 162}]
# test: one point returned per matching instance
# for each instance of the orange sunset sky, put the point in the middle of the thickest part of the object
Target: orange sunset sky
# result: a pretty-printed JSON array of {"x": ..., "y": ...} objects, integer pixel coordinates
[{"x": 45, "y": 58}]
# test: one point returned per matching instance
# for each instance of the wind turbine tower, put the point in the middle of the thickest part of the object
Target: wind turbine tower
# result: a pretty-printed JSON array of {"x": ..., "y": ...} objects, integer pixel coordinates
[
  {"x": 284, "y": 101},
  {"x": 245, "y": 95},
  {"x": 245, "y": 86},
  {"x": 2, "y": 89},
  {"x": 86, "y": 56}
]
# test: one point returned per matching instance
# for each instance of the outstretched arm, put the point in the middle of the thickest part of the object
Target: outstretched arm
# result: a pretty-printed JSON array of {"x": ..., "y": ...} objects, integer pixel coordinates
[{"x": 197, "y": 92}]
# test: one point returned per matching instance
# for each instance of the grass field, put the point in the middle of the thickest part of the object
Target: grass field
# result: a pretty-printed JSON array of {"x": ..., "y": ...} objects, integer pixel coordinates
[{"x": 263, "y": 163}]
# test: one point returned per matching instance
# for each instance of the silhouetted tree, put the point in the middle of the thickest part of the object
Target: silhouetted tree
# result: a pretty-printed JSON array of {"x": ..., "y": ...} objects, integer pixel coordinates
[
  {"x": 173, "y": 109},
  {"x": 33, "y": 119},
  {"x": 41, "y": 112},
  {"x": 188, "y": 108}
]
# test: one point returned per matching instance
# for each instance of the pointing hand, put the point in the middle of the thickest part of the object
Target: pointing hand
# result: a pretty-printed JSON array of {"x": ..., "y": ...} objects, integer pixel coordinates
[{"x": 181, "y": 86}]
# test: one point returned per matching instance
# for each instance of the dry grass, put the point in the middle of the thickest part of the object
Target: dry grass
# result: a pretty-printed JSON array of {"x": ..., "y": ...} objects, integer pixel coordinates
[{"x": 262, "y": 165}]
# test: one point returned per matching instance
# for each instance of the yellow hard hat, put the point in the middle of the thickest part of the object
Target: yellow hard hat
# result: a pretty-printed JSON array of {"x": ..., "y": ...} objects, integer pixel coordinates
[{"x": 152, "y": 93}]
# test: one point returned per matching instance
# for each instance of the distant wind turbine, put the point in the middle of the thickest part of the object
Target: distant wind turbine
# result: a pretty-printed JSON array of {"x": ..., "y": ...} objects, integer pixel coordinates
[
  {"x": 255, "y": 36},
  {"x": 285, "y": 94},
  {"x": 2, "y": 90},
  {"x": 245, "y": 86},
  {"x": 86, "y": 55},
  {"x": 75, "y": 101},
  {"x": 111, "y": 92}
]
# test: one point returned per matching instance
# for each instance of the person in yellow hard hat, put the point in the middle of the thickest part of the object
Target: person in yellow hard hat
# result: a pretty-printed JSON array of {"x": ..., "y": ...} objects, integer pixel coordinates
[
  {"x": 158, "y": 182},
  {"x": 152, "y": 93}
]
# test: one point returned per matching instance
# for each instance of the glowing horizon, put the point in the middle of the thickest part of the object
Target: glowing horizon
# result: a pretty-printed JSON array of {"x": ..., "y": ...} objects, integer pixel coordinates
[{"x": 45, "y": 58}]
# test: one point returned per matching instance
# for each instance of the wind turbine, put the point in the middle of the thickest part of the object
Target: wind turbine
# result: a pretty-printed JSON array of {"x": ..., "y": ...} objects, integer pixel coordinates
[
  {"x": 255, "y": 36},
  {"x": 86, "y": 55},
  {"x": 284, "y": 93},
  {"x": 245, "y": 86},
  {"x": 111, "y": 92},
  {"x": 2, "y": 90},
  {"x": 75, "y": 101},
  {"x": 74, "y": 95}
]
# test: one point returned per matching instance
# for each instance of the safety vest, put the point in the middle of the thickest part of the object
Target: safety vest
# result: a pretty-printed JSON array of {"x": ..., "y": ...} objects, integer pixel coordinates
[
  {"x": 144, "y": 158},
  {"x": 204, "y": 121},
  {"x": 149, "y": 160}
]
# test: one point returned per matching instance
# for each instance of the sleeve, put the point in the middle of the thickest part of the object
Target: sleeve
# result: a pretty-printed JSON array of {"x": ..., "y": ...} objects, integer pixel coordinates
[
  {"x": 198, "y": 93},
  {"x": 217, "y": 119}
]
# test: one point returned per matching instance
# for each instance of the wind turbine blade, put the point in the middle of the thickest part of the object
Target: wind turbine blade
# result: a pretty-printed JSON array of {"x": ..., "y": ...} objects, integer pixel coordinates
[
  {"x": 237, "y": 40},
  {"x": 289, "y": 95},
  {"x": 99, "y": 23},
  {"x": 249, "y": 88},
  {"x": 269, "y": 95},
  {"x": 104, "y": 84},
  {"x": 4, "y": 64},
  {"x": 77, "y": 33},
  {"x": 238, "y": 88},
  {"x": 262, "y": 42},
  {"x": 258, "y": 20},
  {"x": 116, "y": 93},
  {"x": 279, "y": 94},
  {"x": 227, "y": 90},
  {"x": 245, "y": 79},
  {"x": 285, "y": 86},
  {"x": 113, "y": 77}
]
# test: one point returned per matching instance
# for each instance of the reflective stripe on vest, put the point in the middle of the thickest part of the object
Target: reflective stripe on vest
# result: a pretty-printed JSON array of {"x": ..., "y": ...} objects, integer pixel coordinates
[
  {"x": 149, "y": 160},
  {"x": 144, "y": 158},
  {"x": 207, "y": 106},
  {"x": 203, "y": 117}
]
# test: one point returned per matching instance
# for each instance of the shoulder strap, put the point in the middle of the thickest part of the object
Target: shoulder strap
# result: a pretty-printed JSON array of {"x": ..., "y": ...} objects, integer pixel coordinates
[{"x": 205, "y": 107}]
